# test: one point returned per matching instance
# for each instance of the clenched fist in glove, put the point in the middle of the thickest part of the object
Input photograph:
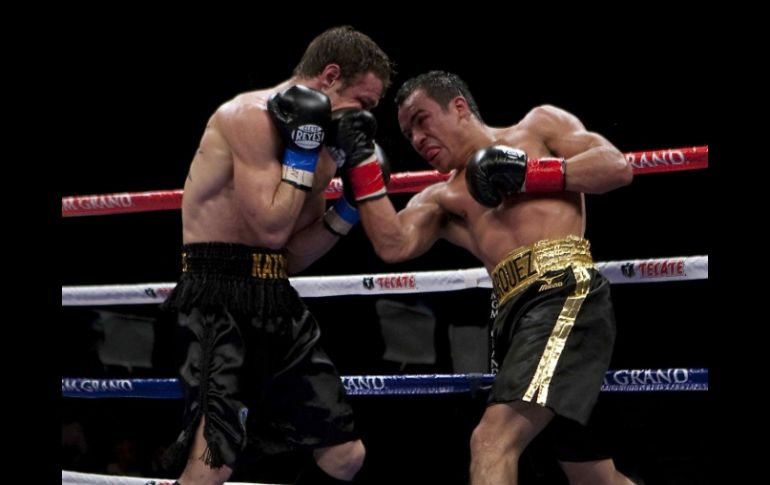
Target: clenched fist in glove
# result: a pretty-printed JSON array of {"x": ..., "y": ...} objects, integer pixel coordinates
[
  {"x": 498, "y": 170},
  {"x": 302, "y": 116}
]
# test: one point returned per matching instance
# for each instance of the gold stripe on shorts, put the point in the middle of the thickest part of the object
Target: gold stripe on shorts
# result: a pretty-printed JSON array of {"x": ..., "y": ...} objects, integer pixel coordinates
[{"x": 541, "y": 381}]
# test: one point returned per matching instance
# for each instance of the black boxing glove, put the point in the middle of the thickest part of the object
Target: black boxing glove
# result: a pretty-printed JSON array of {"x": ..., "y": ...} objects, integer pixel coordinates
[
  {"x": 301, "y": 115},
  {"x": 330, "y": 140},
  {"x": 498, "y": 170},
  {"x": 347, "y": 185},
  {"x": 363, "y": 175}
]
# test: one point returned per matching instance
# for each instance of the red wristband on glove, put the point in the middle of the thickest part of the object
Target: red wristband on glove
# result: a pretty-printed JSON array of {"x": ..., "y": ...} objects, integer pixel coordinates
[
  {"x": 366, "y": 180},
  {"x": 545, "y": 175}
]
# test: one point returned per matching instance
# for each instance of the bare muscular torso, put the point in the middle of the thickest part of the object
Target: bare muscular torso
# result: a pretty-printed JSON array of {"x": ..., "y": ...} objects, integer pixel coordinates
[
  {"x": 211, "y": 210},
  {"x": 521, "y": 220}
]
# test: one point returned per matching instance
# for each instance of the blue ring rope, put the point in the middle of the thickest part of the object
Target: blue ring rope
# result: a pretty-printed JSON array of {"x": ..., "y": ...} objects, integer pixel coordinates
[{"x": 622, "y": 380}]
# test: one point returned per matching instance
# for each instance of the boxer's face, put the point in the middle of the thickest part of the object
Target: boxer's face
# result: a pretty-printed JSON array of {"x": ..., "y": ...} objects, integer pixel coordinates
[
  {"x": 364, "y": 92},
  {"x": 435, "y": 133}
]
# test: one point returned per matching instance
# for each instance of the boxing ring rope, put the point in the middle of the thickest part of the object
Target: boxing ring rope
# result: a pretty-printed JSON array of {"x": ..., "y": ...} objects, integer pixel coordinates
[
  {"x": 617, "y": 272},
  {"x": 76, "y": 478},
  {"x": 645, "y": 162},
  {"x": 623, "y": 380},
  {"x": 620, "y": 380},
  {"x": 640, "y": 380}
]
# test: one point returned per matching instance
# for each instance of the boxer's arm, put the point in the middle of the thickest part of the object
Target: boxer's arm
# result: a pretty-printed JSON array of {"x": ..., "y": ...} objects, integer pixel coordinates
[
  {"x": 311, "y": 242},
  {"x": 268, "y": 205},
  {"x": 408, "y": 233},
  {"x": 271, "y": 193},
  {"x": 593, "y": 164}
]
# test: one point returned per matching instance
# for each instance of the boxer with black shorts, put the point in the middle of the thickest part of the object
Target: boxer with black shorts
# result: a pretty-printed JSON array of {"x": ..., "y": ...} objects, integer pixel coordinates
[
  {"x": 514, "y": 198},
  {"x": 255, "y": 378}
]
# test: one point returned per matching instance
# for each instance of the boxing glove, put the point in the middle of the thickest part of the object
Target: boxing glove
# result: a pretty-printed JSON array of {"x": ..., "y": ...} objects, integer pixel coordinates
[
  {"x": 301, "y": 116},
  {"x": 366, "y": 171},
  {"x": 496, "y": 171}
]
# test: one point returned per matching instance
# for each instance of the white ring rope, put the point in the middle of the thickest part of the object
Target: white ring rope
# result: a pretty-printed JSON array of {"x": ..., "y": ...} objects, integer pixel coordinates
[
  {"x": 682, "y": 268},
  {"x": 77, "y": 478}
]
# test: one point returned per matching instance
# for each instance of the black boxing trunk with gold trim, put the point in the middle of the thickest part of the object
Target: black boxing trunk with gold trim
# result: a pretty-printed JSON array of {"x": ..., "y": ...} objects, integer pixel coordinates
[
  {"x": 523, "y": 266},
  {"x": 249, "y": 359},
  {"x": 243, "y": 261},
  {"x": 242, "y": 278}
]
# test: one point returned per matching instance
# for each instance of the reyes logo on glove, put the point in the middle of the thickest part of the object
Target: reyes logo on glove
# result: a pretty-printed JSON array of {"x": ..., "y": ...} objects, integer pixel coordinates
[
  {"x": 301, "y": 115},
  {"x": 308, "y": 137}
]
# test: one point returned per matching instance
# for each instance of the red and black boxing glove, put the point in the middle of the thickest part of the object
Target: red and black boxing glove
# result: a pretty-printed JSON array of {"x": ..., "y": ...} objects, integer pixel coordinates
[
  {"x": 498, "y": 170},
  {"x": 365, "y": 171}
]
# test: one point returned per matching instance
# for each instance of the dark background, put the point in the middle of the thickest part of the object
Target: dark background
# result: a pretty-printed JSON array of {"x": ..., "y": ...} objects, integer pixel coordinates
[{"x": 143, "y": 94}]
